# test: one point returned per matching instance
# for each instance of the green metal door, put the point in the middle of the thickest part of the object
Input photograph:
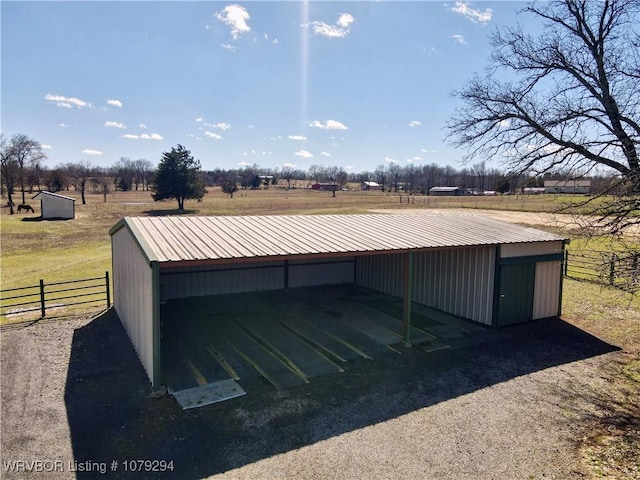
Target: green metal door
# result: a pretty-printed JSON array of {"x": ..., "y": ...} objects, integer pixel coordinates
[{"x": 515, "y": 302}]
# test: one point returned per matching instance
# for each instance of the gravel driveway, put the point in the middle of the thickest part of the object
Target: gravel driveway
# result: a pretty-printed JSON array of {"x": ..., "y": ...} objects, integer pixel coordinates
[{"x": 516, "y": 406}]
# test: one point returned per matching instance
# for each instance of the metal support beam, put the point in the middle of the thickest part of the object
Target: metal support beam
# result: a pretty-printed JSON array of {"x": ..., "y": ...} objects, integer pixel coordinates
[
  {"x": 408, "y": 297},
  {"x": 156, "y": 326}
]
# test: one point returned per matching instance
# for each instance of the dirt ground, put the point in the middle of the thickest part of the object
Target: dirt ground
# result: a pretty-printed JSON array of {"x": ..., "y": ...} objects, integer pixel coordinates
[{"x": 517, "y": 406}]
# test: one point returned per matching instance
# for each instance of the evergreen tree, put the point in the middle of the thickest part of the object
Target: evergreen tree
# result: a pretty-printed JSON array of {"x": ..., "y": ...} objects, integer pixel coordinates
[{"x": 178, "y": 177}]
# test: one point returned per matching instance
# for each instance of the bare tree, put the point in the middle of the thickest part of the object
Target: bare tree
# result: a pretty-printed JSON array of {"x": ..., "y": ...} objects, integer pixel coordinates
[
  {"x": 9, "y": 169},
  {"x": 576, "y": 102},
  {"x": 287, "y": 173},
  {"x": 28, "y": 154},
  {"x": 79, "y": 174},
  {"x": 101, "y": 179}
]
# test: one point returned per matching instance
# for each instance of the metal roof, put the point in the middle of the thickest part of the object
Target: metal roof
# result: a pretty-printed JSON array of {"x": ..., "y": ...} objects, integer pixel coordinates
[
  {"x": 49, "y": 194},
  {"x": 220, "y": 238}
]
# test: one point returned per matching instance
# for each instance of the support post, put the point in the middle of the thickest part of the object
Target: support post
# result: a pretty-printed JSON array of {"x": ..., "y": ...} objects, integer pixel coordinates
[
  {"x": 408, "y": 297},
  {"x": 106, "y": 279},
  {"x": 43, "y": 310}
]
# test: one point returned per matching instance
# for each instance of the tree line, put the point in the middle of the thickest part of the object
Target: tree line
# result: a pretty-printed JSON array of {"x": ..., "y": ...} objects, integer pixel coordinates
[{"x": 23, "y": 170}]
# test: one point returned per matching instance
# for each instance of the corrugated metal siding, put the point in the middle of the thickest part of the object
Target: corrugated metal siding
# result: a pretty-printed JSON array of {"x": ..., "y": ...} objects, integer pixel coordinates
[
  {"x": 56, "y": 207},
  {"x": 133, "y": 297},
  {"x": 529, "y": 249},
  {"x": 547, "y": 289},
  {"x": 458, "y": 281},
  {"x": 216, "y": 238},
  {"x": 322, "y": 273},
  {"x": 381, "y": 272},
  {"x": 214, "y": 280}
]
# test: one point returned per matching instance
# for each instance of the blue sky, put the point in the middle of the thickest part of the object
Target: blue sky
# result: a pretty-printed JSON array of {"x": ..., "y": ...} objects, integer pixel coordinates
[{"x": 351, "y": 84}]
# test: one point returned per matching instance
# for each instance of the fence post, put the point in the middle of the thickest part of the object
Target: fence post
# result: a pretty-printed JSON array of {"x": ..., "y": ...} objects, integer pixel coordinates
[
  {"x": 43, "y": 310},
  {"x": 566, "y": 263},
  {"x": 612, "y": 269},
  {"x": 106, "y": 277}
]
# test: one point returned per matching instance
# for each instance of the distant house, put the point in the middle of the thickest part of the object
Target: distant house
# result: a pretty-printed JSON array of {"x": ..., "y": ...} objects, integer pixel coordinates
[
  {"x": 54, "y": 206},
  {"x": 533, "y": 190},
  {"x": 370, "y": 186},
  {"x": 446, "y": 192},
  {"x": 568, "y": 186}
]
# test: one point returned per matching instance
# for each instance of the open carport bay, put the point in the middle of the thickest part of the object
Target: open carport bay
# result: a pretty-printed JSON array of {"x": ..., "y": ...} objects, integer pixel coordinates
[{"x": 288, "y": 337}]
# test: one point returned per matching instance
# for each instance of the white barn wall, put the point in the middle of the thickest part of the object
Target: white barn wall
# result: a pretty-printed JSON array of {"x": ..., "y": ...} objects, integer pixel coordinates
[
  {"x": 546, "y": 296},
  {"x": 307, "y": 273},
  {"x": 220, "y": 279},
  {"x": 56, "y": 207},
  {"x": 528, "y": 249},
  {"x": 381, "y": 272},
  {"x": 457, "y": 281},
  {"x": 187, "y": 282},
  {"x": 133, "y": 295}
]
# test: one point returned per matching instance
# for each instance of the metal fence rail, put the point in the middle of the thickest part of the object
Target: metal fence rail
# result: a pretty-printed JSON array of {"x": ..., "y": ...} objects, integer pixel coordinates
[
  {"x": 34, "y": 298},
  {"x": 621, "y": 270}
]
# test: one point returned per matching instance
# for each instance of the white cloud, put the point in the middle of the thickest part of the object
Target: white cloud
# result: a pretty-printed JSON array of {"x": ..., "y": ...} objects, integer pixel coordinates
[
  {"x": 504, "y": 123},
  {"x": 235, "y": 17},
  {"x": 390, "y": 160},
  {"x": 288, "y": 165},
  {"x": 414, "y": 159},
  {"x": 415, "y": 123},
  {"x": 144, "y": 136},
  {"x": 244, "y": 164},
  {"x": 46, "y": 147},
  {"x": 476, "y": 16},
  {"x": 345, "y": 20},
  {"x": 303, "y": 154},
  {"x": 115, "y": 103},
  {"x": 221, "y": 125},
  {"x": 424, "y": 150},
  {"x": 114, "y": 125},
  {"x": 297, "y": 137},
  {"x": 67, "y": 102},
  {"x": 63, "y": 125},
  {"x": 325, "y": 154},
  {"x": 143, "y": 126},
  {"x": 215, "y": 136},
  {"x": 228, "y": 46},
  {"x": 339, "y": 30},
  {"x": 328, "y": 125},
  {"x": 199, "y": 119},
  {"x": 459, "y": 38},
  {"x": 91, "y": 152}
]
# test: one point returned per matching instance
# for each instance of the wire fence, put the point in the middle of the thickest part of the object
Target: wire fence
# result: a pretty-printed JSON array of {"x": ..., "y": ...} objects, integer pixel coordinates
[
  {"x": 23, "y": 303},
  {"x": 620, "y": 270}
]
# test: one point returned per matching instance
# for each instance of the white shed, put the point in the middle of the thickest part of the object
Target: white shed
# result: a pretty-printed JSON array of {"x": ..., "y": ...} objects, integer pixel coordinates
[
  {"x": 54, "y": 206},
  {"x": 477, "y": 268}
]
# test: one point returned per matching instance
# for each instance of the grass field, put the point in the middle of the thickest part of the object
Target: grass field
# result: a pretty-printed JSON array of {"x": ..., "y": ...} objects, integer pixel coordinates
[{"x": 66, "y": 250}]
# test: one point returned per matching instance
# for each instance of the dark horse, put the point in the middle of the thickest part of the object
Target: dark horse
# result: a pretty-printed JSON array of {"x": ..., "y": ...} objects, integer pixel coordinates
[{"x": 26, "y": 208}]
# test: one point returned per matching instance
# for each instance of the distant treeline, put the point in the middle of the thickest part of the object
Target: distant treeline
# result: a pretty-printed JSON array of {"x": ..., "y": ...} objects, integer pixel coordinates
[{"x": 127, "y": 175}]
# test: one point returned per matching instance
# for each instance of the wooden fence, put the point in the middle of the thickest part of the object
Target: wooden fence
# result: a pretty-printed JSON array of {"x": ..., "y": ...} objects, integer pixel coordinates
[
  {"x": 621, "y": 270},
  {"x": 37, "y": 299}
]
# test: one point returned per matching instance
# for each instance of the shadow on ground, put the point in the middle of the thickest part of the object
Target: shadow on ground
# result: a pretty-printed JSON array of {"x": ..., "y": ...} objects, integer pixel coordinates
[
  {"x": 112, "y": 417},
  {"x": 166, "y": 212}
]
